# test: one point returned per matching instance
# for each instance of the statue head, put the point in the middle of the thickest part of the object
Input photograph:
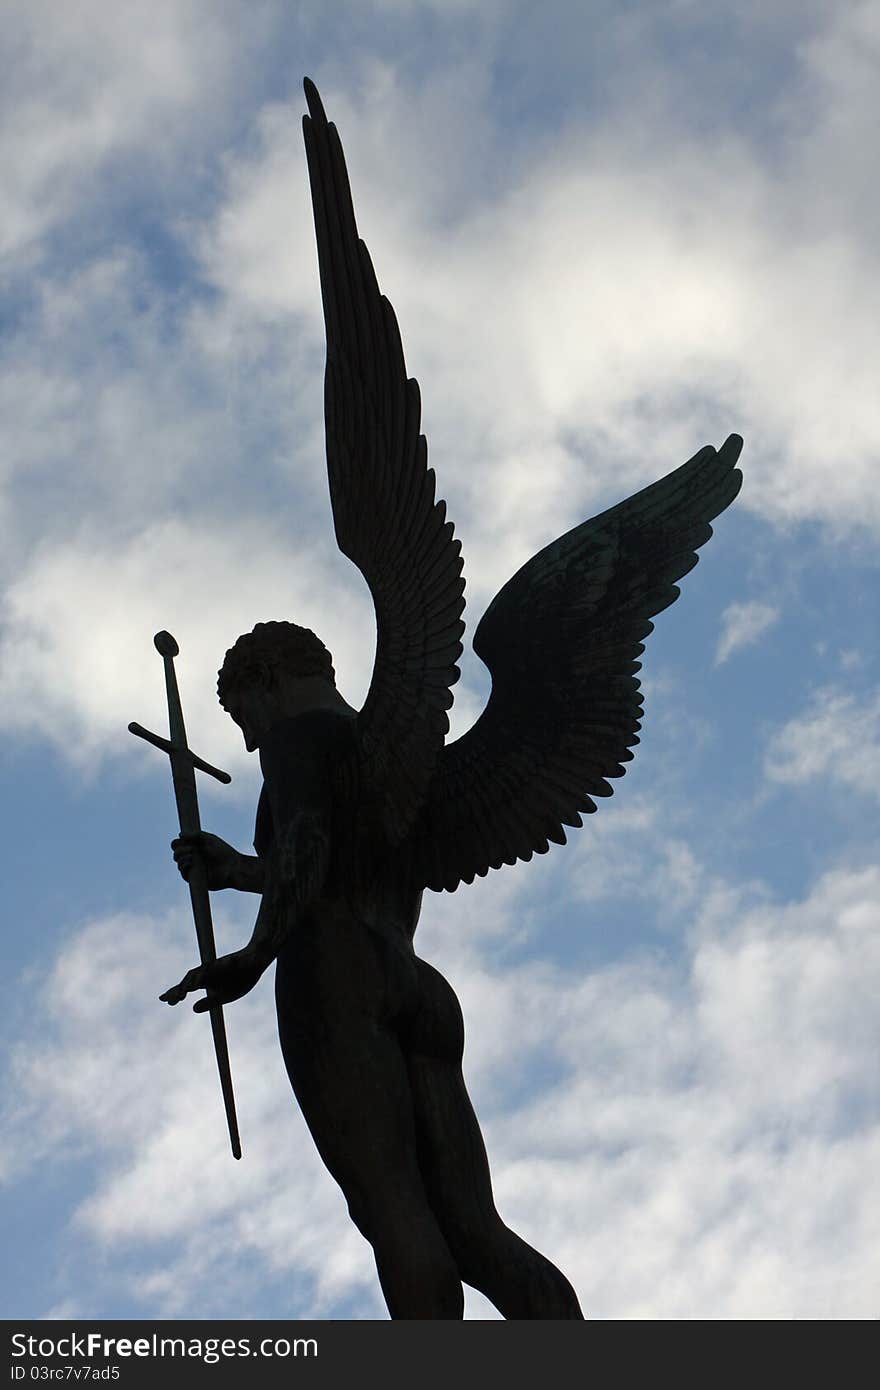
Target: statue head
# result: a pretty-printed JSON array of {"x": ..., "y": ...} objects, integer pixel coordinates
[{"x": 278, "y": 669}]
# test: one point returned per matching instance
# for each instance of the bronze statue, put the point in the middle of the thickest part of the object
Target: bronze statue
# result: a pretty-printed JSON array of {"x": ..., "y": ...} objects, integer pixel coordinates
[{"x": 361, "y": 811}]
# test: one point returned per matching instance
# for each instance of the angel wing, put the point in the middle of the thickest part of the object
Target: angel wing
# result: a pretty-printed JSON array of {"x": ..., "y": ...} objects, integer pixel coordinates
[
  {"x": 383, "y": 497},
  {"x": 561, "y": 641}
]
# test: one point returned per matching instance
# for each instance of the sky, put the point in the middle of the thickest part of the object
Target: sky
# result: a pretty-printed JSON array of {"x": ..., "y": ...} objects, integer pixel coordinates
[{"x": 612, "y": 233}]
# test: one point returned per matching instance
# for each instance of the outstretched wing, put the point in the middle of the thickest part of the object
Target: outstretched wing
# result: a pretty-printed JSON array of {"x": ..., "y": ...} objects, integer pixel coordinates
[
  {"x": 384, "y": 509},
  {"x": 562, "y": 640}
]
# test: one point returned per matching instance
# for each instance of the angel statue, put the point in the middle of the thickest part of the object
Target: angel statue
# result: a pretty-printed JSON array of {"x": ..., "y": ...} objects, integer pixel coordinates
[{"x": 361, "y": 811}]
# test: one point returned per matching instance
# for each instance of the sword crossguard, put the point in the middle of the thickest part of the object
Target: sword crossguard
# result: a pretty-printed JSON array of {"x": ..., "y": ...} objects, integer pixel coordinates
[{"x": 168, "y": 747}]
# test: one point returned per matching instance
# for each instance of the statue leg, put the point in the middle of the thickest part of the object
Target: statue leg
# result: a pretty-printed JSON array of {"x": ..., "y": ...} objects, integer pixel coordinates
[
  {"x": 490, "y": 1257},
  {"x": 350, "y": 1078}
]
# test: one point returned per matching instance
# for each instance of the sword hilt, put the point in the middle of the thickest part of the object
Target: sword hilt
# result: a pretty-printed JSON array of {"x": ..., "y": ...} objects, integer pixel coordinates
[
  {"x": 176, "y": 746},
  {"x": 168, "y": 649}
]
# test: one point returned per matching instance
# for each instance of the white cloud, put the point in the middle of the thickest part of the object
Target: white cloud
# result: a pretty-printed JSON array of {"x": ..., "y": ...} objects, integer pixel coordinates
[
  {"x": 560, "y": 330},
  {"x": 122, "y": 405},
  {"x": 742, "y": 624},
  {"x": 608, "y": 289},
  {"x": 582, "y": 330},
  {"x": 91, "y": 84},
  {"x": 836, "y": 739},
  {"x": 628, "y": 851},
  {"x": 701, "y": 1156},
  {"x": 78, "y": 659},
  {"x": 692, "y": 1142},
  {"x": 836, "y": 109},
  {"x": 132, "y": 1086}
]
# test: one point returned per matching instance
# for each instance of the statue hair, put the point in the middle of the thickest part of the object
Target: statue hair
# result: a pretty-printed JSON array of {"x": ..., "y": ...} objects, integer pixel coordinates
[{"x": 281, "y": 648}]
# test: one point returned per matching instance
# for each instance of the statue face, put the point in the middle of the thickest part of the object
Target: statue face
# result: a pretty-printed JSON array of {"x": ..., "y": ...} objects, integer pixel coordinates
[
  {"x": 258, "y": 708},
  {"x": 254, "y": 713}
]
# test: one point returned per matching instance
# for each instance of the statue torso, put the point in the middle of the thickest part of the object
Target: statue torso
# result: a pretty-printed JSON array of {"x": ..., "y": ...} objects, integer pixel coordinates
[{"x": 369, "y": 887}]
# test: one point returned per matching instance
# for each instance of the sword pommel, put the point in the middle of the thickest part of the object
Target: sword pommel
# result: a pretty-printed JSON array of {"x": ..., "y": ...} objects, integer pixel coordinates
[{"x": 165, "y": 644}]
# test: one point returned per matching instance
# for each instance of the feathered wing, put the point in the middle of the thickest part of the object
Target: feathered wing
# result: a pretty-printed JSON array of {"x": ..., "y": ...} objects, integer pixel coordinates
[
  {"x": 385, "y": 512},
  {"x": 561, "y": 641}
]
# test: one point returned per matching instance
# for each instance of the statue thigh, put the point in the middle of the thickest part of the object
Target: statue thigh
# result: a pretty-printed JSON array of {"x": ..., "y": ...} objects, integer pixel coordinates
[
  {"x": 519, "y": 1280},
  {"x": 373, "y": 1050},
  {"x": 341, "y": 1016},
  {"x": 452, "y": 1156}
]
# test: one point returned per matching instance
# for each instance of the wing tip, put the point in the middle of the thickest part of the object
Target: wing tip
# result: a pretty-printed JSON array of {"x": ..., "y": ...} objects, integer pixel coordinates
[
  {"x": 730, "y": 451},
  {"x": 313, "y": 101}
]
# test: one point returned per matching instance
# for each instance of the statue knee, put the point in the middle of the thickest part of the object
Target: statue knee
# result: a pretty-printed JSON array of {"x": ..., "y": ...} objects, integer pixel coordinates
[
  {"x": 420, "y": 1281},
  {"x": 418, "y": 1274},
  {"x": 359, "y": 1211}
]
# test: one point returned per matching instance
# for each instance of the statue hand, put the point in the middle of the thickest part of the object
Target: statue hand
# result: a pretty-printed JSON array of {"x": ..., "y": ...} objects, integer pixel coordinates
[
  {"x": 227, "y": 978},
  {"x": 219, "y": 858}
]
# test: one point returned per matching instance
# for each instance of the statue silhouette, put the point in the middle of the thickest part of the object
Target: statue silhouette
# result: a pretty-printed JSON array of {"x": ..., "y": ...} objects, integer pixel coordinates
[{"x": 361, "y": 811}]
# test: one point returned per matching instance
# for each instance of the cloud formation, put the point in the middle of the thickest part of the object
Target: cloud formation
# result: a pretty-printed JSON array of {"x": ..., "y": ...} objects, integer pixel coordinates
[
  {"x": 836, "y": 739},
  {"x": 604, "y": 249},
  {"x": 588, "y": 322},
  {"x": 742, "y": 624},
  {"x": 664, "y": 1129}
]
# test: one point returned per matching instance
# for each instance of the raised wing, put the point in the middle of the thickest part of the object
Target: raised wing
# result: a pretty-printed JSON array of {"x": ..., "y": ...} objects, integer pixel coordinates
[
  {"x": 384, "y": 509},
  {"x": 562, "y": 640}
]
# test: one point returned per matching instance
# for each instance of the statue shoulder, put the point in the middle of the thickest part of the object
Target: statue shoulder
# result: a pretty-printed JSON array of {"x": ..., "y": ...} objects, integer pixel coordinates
[
  {"x": 320, "y": 737},
  {"x": 300, "y": 759}
]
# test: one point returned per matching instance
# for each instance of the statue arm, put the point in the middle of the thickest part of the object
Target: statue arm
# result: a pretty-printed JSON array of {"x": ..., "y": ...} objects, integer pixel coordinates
[
  {"x": 291, "y": 873},
  {"x": 266, "y": 941},
  {"x": 250, "y": 874},
  {"x": 296, "y": 772},
  {"x": 224, "y": 866},
  {"x": 294, "y": 872}
]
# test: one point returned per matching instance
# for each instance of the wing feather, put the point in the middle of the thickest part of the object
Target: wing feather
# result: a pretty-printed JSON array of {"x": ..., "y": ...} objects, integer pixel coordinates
[
  {"x": 562, "y": 641},
  {"x": 386, "y": 515}
]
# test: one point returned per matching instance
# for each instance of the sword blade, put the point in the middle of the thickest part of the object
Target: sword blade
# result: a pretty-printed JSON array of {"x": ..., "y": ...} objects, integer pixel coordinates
[
  {"x": 200, "y": 899},
  {"x": 183, "y": 765},
  {"x": 186, "y": 795},
  {"x": 221, "y": 1052}
]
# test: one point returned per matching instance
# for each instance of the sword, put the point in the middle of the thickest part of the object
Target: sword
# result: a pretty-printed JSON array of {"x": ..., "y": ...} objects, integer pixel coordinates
[{"x": 183, "y": 765}]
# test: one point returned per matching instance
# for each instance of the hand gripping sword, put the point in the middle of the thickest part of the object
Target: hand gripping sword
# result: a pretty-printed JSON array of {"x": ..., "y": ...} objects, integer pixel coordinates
[{"x": 183, "y": 765}]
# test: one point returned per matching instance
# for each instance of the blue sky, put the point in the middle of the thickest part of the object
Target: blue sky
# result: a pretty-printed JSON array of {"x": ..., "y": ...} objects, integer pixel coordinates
[{"x": 611, "y": 233}]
